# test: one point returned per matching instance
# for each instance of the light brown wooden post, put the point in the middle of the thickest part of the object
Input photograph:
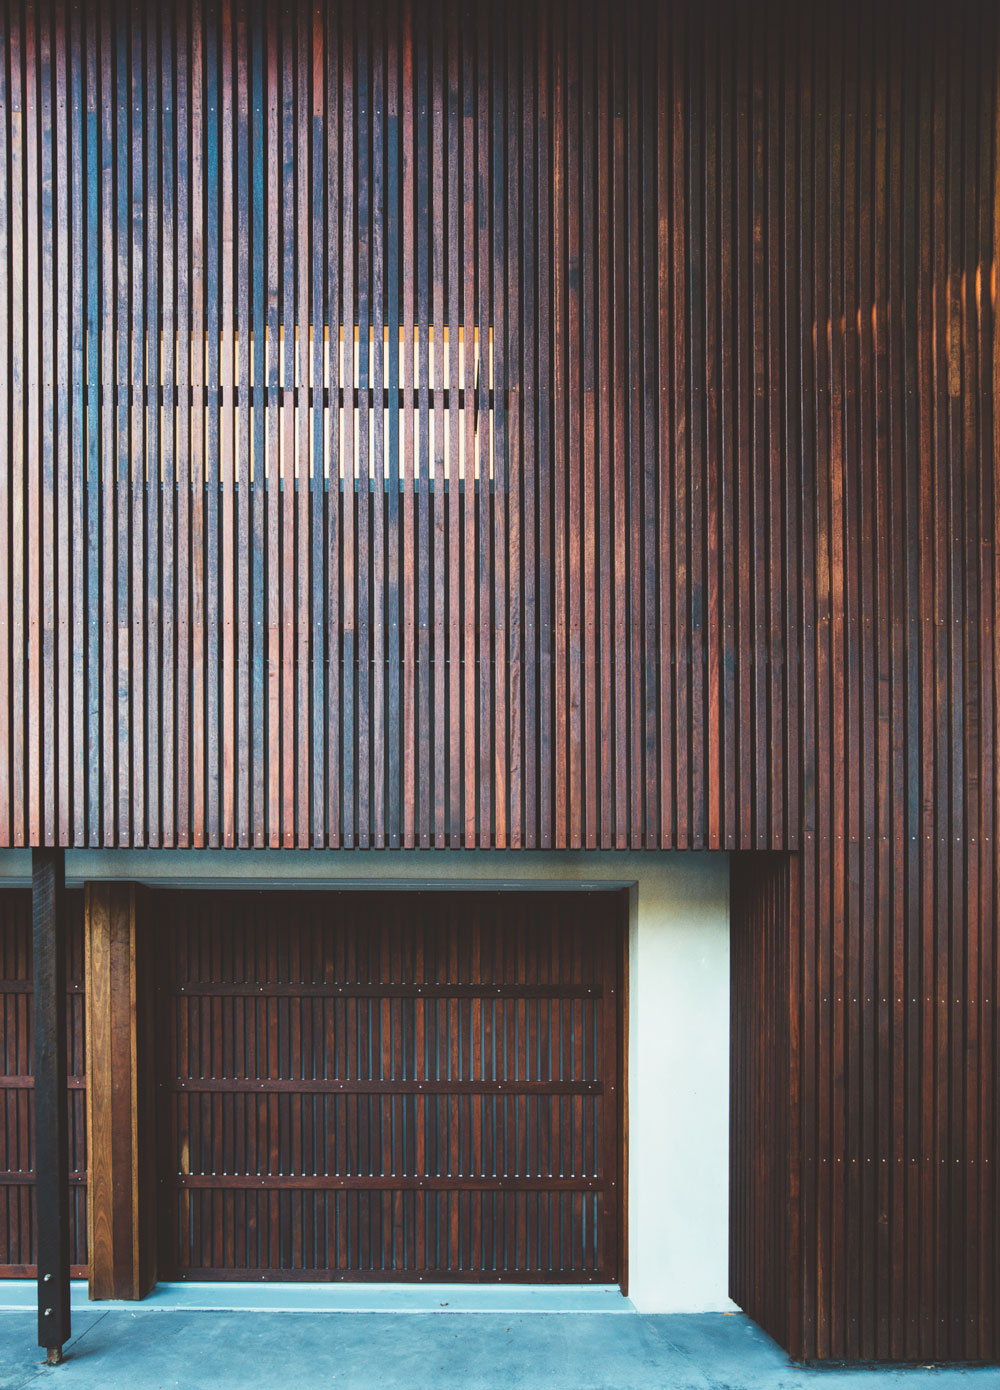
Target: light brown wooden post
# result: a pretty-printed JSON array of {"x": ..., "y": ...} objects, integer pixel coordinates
[{"x": 121, "y": 1225}]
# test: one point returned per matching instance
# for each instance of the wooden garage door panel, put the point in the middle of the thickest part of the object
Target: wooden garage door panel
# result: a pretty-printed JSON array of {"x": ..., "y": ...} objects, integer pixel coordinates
[{"x": 390, "y": 1085}]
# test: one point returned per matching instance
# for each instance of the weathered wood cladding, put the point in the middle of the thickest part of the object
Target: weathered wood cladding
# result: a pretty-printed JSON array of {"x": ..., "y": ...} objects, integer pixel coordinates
[
  {"x": 17, "y": 1140},
  {"x": 245, "y": 605},
  {"x": 873, "y": 197},
  {"x": 760, "y": 1138},
  {"x": 122, "y": 1194},
  {"x": 398, "y": 1086},
  {"x": 732, "y": 580}
]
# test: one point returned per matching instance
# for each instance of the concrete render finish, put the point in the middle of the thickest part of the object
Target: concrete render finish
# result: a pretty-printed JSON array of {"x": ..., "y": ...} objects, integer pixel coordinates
[
  {"x": 262, "y": 1296},
  {"x": 139, "y": 1348},
  {"x": 677, "y": 1024}
]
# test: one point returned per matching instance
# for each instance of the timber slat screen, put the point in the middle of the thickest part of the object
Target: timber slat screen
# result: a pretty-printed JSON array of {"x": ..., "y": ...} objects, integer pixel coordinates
[
  {"x": 373, "y": 505},
  {"x": 389, "y": 1086},
  {"x": 656, "y": 506},
  {"x": 17, "y": 1192},
  {"x": 759, "y": 1058}
]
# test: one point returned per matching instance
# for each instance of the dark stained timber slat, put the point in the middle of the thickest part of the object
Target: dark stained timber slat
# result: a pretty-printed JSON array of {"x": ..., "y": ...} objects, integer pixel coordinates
[
  {"x": 7, "y": 479},
  {"x": 408, "y": 461},
  {"x": 235, "y": 1182},
  {"x": 378, "y": 638},
  {"x": 258, "y": 358},
  {"x": 543, "y": 426},
  {"x": 238, "y": 1085},
  {"x": 421, "y": 441},
  {"x": 17, "y": 1178},
  {"x": 171, "y": 433},
  {"x": 250, "y": 989},
  {"x": 49, "y": 484},
  {"x": 154, "y": 469},
  {"x": 438, "y": 320},
  {"x": 247, "y": 600},
  {"x": 67, "y": 539},
  {"x": 132, "y": 459},
  {"x": 183, "y": 540},
  {"x": 31, "y": 391},
  {"x": 300, "y": 484},
  {"x": 347, "y": 636},
  {"x": 196, "y": 546},
  {"x": 467, "y": 439},
  {"x": 333, "y": 1093},
  {"x": 216, "y": 549}
]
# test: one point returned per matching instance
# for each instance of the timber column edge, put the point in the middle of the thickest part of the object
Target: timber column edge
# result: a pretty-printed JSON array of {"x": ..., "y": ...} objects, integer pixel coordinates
[{"x": 121, "y": 1208}]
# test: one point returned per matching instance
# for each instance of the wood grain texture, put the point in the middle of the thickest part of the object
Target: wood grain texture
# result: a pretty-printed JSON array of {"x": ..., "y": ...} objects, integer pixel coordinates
[
  {"x": 865, "y": 965},
  {"x": 759, "y": 1172},
  {"x": 17, "y": 1195},
  {"x": 405, "y": 1086},
  {"x": 703, "y": 554},
  {"x": 396, "y": 534},
  {"x": 122, "y": 1192}
]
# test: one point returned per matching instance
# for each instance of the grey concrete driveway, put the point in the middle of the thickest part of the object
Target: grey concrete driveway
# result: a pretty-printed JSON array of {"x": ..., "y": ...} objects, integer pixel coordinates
[{"x": 146, "y": 1346}]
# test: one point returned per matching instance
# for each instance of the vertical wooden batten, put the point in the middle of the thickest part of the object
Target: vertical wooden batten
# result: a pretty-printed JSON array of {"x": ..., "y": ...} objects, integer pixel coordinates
[
  {"x": 722, "y": 488},
  {"x": 120, "y": 1115}
]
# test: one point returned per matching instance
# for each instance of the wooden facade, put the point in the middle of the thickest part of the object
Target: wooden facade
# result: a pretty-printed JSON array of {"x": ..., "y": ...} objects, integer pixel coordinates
[
  {"x": 121, "y": 1119},
  {"x": 389, "y": 1086},
  {"x": 550, "y": 426},
  {"x": 18, "y": 1217}
]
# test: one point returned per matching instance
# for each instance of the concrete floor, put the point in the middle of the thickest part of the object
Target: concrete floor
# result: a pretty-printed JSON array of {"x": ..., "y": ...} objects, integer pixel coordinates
[{"x": 166, "y": 1346}]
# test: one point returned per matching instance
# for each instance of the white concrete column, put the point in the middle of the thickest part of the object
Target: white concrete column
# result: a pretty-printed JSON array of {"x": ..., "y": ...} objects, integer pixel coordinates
[{"x": 678, "y": 1085}]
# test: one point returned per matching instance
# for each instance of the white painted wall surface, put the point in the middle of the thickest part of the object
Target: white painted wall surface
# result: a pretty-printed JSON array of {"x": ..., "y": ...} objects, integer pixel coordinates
[
  {"x": 678, "y": 1026},
  {"x": 678, "y": 1065}
]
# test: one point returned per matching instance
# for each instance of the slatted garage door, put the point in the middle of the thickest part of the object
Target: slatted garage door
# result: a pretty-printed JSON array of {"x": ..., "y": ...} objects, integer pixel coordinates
[
  {"x": 390, "y": 1086},
  {"x": 17, "y": 1086}
]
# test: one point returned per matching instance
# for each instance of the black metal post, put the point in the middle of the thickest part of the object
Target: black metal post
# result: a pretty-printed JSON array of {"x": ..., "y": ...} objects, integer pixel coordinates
[{"x": 48, "y": 916}]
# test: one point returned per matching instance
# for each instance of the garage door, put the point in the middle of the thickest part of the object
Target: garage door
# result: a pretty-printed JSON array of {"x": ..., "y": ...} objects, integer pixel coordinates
[{"x": 390, "y": 1086}]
